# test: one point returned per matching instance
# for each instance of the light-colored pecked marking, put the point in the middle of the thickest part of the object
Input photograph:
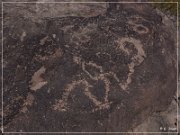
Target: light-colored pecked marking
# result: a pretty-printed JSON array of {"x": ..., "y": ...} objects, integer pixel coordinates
[
  {"x": 135, "y": 23},
  {"x": 23, "y": 36},
  {"x": 37, "y": 81},
  {"x": 136, "y": 60},
  {"x": 62, "y": 104},
  {"x": 43, "y": 40}
]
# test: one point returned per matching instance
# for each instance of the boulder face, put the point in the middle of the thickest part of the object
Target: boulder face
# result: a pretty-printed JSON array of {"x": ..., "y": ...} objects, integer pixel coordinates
[{"x": 103, "y": 73}]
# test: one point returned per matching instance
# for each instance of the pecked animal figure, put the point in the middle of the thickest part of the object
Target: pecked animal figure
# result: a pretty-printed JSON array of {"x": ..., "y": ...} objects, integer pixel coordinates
[{"x": 93, "y": 74}]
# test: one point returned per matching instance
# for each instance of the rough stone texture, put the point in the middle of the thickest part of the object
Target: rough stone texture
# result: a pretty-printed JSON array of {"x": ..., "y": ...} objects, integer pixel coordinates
[{"x": 104, "y": 69}]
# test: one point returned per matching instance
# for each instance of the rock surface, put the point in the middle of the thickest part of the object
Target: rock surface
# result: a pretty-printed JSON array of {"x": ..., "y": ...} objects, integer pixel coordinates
[{"x": 102, "y": 70}]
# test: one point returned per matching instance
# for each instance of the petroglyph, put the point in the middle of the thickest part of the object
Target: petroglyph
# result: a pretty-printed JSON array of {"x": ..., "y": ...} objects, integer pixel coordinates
[
  {"x": 43, "y": 40},
  {"x": 93, "y": 65},
  {"x": 101, "y": 75},
  {"x": 62, "y": 104},
  {"x": 140, "y": 29},
  {"x": 37, "y": 81},
  {"x": 82, "y": 35},
  {"x": 137, "y": 26},
  {"x": 57, "y": 54},
  {"x": 137, "y": 59},
  {"x": 77, "y": 59},
  {"x": 98, "y": 54},
  {"x": 24, "y": 34},
  {"x": 29, "y": 102},
  {"x": 99, "y": 72}
]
